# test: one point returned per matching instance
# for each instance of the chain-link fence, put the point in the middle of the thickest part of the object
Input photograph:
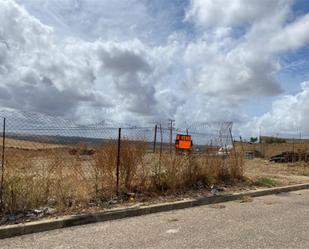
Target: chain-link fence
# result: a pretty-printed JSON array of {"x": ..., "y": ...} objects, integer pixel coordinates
[{"x": 55, "y": 162}]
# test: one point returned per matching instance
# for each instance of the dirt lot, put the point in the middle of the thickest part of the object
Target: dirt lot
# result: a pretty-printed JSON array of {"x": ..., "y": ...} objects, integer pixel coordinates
[
  {"x": 281, "y": 173},
  {"x": 29, "y": 145},
  {"x": 55, "y": 178}
]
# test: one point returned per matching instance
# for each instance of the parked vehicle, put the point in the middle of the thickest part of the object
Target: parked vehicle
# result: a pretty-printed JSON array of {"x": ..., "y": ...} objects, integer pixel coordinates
[{"x": 290, "y": 156}]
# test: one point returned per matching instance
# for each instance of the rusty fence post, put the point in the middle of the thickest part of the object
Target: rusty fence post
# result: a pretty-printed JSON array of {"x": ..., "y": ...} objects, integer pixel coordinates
[
  {"x": 171, "y": 134},
  {"x": 2, "y": 167},
  {"x": 118, "y": 161},
  {"x": 155, "y": 139}
]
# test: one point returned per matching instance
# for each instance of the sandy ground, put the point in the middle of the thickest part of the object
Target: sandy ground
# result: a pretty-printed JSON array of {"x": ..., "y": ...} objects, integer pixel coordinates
[{"x": 283, "y": 173}]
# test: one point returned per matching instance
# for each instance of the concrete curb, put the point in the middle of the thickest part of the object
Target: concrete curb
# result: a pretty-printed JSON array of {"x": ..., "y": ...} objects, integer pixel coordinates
[{"x": 75, "y": 220}]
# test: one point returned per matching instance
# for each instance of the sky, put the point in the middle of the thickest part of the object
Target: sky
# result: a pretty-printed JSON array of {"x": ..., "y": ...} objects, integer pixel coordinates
[{"x": 141, "y": 61}]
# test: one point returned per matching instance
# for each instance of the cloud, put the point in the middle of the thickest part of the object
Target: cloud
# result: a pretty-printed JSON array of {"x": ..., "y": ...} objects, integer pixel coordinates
[
  {"x": 39, "y": 74},
  {"x": 89, "y": 19},
  {"x": 237, "y": 56},
  {"x": 230, "y": 71},
  {"x": 109, "y": 20},
  {"x": 76, "y": 59},
  {"x": 128, "y": 66},
  {"x": 225, "y": 13},
  {"x": 288, "y": 116},
  {"x": 36, "y": 74},
  {"x": 292, "y": 37}
]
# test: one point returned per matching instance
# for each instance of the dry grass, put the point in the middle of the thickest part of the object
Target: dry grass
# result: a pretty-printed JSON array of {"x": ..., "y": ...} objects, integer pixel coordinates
[
  {"x": 269, "y": 150},
  {"x": 64, "y": 179},
  {"x": 29, "y": 145},
  {"x": 33, "y": 180},
  {"x": 67, "y": 177},
  {"x": 282, "y": 173},
  {"x": 262, "y": 172},
  {"x": 180, "y": 172}
]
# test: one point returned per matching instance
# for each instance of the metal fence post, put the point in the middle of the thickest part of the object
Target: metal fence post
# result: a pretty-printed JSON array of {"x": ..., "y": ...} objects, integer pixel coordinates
[
  {"x": 160, "y": 157},
  {"x": 242, "y": 146},
  {"x": 118, "y": 161},
  {"x": 171, "y": 134},
  {"x": 2, "y": 167},
  {"x": 155, "y": 140}
]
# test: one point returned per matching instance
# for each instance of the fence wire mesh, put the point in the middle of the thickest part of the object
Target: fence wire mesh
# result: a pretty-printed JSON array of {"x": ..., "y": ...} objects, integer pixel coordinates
[{"x": 55, "y": 162}]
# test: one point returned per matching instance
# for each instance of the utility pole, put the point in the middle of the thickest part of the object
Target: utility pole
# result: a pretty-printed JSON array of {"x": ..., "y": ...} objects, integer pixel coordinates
[{"x": 171, "y": 133}]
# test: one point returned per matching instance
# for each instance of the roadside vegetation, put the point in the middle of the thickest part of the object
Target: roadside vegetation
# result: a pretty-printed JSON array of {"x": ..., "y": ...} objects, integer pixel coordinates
[
  {"x": 79, "y": 177},
  {"x": 73, "y": 179},
  {"x": 266, "y": 182}
]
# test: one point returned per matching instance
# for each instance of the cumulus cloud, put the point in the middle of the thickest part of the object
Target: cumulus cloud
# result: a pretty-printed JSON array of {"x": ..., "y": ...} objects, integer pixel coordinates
[
  {"x": 241, "y": 66},
  {"x": 288, "y": 116},
  {"x": 36, "y": 74},
  {"x": 108, "y": 20},
  {"x": 292, "y": 37},
  {"x": 39, "y": 74},
  {"x": 225, "y": 13},
  {"x": 89, "y": 19},
  {"x": 76, "y": 59},
  {"x": 231, "y": 72}
]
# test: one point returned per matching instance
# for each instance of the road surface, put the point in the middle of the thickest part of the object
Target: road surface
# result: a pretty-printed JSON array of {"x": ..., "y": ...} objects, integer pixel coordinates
[{"x": 277, "y": 221}]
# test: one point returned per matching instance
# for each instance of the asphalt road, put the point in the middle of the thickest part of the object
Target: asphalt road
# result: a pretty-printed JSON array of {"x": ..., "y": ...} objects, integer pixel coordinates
[{"x": 278, "y": 221}]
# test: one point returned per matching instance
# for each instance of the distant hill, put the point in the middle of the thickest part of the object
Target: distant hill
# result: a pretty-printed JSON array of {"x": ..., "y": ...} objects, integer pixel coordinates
[
  {"x": 271, "y": 139},
  {"x": 33, "y": 141}
]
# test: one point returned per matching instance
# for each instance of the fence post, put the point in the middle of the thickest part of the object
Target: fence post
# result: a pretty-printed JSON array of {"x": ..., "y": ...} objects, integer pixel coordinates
[
  {"x": 2, "y": 167},
  {"x": 171, "y": 134},
  {"x": 160, "y": 158},
  {"x": 293, "y": 157},
  {"x": 242, "y": 146},
  {"x": 118, "y": 161},
  {"x": 155, "y": 140}
]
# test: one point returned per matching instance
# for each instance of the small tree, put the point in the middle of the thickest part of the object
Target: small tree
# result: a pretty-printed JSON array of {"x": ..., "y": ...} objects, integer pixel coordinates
[{"x": 253, "y": 139}]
